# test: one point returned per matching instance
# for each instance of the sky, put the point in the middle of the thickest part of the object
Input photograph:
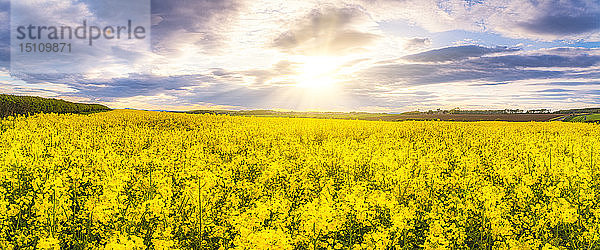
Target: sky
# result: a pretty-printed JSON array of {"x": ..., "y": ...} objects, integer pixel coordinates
[{"x": 353, "y": 55}]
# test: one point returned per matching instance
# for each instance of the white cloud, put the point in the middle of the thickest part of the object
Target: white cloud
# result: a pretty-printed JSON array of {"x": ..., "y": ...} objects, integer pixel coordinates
[
  {"x": 329, "y": 31},
  {"x": 543, "y": 19},
  {"x": 240, "y": 53},
  {"x": 127, "y": 55}
]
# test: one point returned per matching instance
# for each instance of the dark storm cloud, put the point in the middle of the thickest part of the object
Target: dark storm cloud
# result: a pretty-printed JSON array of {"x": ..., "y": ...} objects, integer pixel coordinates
[
  {"x": 133, "y": 85},
  {"x": 328, "y": 31},
  {"x": 512, "y": 61},
  {"x": 563, "y": 24},
  {"x": 564, "y": 18},
  {"x": 190, "y": 16},
  {"x": 174, "y": 18},
  {"x": 496, "y": 70},
  {"x": 215, "y": 88},
  {"x": 208, "y": 89},
  {"x": 137, "y": 85},
  {"x": 4, "y": 33},
  {"x": 456, "y": 53},
  {"x": 421, "y": 74}
]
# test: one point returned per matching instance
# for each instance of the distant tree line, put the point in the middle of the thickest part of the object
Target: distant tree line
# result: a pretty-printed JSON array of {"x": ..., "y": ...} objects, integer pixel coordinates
[
  {"x": 11, "y": 105},
  {"x": 485, "y": 112},
  {"x": 273, "y": 113},
  {"x": 507, "y": 111}
]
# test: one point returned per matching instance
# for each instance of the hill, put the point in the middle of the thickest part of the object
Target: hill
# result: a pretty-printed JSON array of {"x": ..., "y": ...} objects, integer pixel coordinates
[
  {"x": 582, "y": 115},
  {"x": 11, "y": 105},
  {"x": 583, "y": 118},
  {"x": 579, "y": 111}
]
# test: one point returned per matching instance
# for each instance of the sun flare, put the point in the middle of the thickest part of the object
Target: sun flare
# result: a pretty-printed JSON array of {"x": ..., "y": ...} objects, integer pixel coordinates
[{"x": 318, "y": 72}]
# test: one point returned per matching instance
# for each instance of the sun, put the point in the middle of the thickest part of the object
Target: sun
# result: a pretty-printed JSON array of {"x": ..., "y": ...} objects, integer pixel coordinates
[
  {"x": 316, "y": 72},
  {"x": 315, "y": 82}
]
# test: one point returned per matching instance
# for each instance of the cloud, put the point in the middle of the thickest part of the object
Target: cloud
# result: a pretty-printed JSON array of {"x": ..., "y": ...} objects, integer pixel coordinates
[
  {"x": 399, "y": 75},
  {"x": 328, "y": 31},
  {"x": 563, "y": 25},
  {"x": 555, "y": 90},
  {"x": 416, "y": 43},
  {"x": 548, "y": 19},
  {"x": 535, "y": 19},
  {"x": 131, "y": 85},
  {"x": 199, "y": 22},
  {"x": 593, "y": 92},
  {"x": 105, "y": 56},
  {"x": 163, "y": 101},
  {"x": 263, "y": 76},
  {"x": 490, "y": 84},
  {"x": 4, "y": 34},
  {"x": 512, "y": 61},
  {"x": 191, "y": 16},
  {"x": 463, "y": 65},
  {"x": 169, "y": 92},
  {"x": 241, "y": 53},
  {"x": 135, "y": 85},
  {"x": 456, "y": 53},
  {"x": 573, "y": 83}
]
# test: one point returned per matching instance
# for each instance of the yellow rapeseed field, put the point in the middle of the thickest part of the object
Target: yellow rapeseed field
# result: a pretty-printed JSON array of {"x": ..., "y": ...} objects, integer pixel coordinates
[{"x": 149, "y": 180}]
